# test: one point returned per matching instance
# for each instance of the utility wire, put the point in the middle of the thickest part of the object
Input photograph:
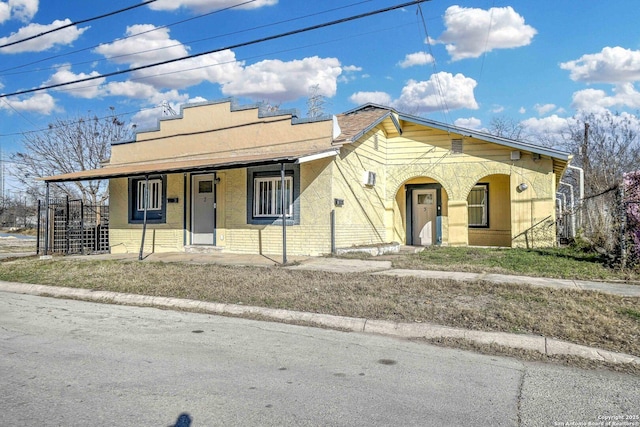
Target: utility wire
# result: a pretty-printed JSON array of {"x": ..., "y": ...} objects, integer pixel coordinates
[
  {"x": 233, "y": 46},
  {"x": 77, "y": 23},
  {"x": 189, "y": 42}
]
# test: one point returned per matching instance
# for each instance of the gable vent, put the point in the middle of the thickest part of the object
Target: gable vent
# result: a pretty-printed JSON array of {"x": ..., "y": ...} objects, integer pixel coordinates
[{"x": 456, "y": 146}]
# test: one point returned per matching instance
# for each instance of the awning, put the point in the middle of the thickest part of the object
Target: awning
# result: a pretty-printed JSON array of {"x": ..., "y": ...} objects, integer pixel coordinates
[{"x": 190, "y": 165}]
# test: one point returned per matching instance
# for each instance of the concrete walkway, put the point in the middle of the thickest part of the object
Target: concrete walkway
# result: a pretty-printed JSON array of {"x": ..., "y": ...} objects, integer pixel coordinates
[
  {"x": 339, "y": 265},
  {"x": 345, "y": 265}
]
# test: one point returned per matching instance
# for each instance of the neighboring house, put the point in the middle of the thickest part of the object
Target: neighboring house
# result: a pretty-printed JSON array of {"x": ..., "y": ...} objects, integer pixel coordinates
[{"x": 214, "y": 176}]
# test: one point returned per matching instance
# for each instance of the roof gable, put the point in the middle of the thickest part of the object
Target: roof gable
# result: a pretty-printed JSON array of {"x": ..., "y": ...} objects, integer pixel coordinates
[{"x": 358, "y": 121}]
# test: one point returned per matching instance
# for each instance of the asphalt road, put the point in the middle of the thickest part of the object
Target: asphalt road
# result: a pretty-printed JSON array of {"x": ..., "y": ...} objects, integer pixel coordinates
[{"x": 73, "y": 363}]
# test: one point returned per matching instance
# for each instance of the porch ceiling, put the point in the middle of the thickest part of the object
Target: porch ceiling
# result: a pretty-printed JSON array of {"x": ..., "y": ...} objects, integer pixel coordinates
[{"x": 188, "y": 165}]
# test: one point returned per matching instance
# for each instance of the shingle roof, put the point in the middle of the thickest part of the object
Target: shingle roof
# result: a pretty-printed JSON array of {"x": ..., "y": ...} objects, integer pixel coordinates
[{"x": 356, "y": 122}]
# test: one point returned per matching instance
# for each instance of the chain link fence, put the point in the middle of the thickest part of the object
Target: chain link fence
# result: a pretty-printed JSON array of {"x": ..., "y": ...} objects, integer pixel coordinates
[{"x": 608, "y": 221}]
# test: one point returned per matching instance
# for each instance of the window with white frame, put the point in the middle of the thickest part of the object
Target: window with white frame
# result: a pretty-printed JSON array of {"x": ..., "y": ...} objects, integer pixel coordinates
[
  {"x": 267, "y": 193},
  {"x": 152, "y": 197},
  {"x": 478, "y": 205}
]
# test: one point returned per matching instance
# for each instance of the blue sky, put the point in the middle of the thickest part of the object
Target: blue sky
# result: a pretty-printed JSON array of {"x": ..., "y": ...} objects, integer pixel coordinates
[{"x": 463, "y": 63}]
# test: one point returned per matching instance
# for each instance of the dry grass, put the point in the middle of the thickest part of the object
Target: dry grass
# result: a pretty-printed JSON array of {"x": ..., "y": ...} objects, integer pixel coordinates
[
  {"x": 566, "y": 263},
  {"x": 587, "y": 318}
]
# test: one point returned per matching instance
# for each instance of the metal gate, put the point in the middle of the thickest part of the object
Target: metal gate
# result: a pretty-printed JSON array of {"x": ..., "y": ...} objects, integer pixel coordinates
[{"x": 71, "y": 227}]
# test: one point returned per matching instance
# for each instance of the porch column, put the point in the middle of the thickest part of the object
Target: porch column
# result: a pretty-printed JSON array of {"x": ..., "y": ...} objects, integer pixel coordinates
[
  {"x": 144, "y": 218},
  {"x": 283, "y": 203},
  {"x": 458, "y": 223},
  {"x": 46, "y": 219}
]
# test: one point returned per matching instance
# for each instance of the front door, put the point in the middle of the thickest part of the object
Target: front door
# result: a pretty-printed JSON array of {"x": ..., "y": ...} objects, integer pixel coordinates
[
  {"x": 424, "y": 217},
  {"x": 204, "y": 210}
]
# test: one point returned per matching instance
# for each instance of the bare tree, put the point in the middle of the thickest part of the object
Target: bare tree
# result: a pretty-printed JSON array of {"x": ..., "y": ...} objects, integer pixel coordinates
[
  {"x": 605, "y": 145},
  {"x": 506, "y": 127},
  {"x": 70, "y": 145}
]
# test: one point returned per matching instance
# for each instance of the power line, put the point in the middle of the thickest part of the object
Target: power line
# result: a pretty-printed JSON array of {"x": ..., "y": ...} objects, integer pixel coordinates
[
  {"x": 173, "y": 45},
  {"x": 233, "y": 46},
  {"x": 125, "y": 38},
  {"x": 377, "y": 31},
  {"x": 83, "y": 21}
]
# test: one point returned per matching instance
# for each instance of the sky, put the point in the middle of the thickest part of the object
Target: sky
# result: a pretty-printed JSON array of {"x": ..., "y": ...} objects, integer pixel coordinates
[{"x": 537, "y": 63}]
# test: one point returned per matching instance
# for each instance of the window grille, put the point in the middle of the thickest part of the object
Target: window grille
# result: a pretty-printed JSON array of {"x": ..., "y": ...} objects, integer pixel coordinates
[{"x": 268, "y": 196}]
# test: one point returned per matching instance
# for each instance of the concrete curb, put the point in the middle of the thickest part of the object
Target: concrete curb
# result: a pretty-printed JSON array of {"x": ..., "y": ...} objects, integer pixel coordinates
[{"x": 540, "y": 344}]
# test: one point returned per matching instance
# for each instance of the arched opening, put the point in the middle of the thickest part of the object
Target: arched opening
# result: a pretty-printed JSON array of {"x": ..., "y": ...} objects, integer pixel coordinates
[
  {"x": 489, "y": 212},
  {"x": 422, "y": 204}
]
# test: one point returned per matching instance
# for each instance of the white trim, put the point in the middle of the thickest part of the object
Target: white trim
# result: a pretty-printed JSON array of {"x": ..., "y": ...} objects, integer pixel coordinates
[
  {"x": 154, "y": 196},
  {"x": 317, "y": 156},
  {"x": 265, "y": 208}
]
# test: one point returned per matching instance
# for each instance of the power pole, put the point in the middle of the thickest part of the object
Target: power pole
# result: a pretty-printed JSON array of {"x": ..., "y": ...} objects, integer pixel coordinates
[
  {"x": 585, "y": 150},
  {"x": 315, "y": 103}
]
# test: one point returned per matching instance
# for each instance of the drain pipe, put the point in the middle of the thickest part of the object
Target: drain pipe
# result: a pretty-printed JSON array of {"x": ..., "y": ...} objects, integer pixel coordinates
[
  {"x": 561, "y": 198},
  {"x": 144, "y": 217},
  {"x": 580, "y": 192},
  {"x": 573, "y": 205}
]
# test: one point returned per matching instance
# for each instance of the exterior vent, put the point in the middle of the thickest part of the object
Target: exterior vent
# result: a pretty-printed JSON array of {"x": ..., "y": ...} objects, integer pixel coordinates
[
  {"x": 369, "y": 178},
  {"x": 456, "y": 146},
  {"x": 515, "y": 155},
  {"x": 375, "y": 142}
]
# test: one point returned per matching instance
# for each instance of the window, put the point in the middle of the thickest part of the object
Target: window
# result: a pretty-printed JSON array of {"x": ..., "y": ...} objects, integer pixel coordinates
[
  {"x": 265, "y": 193},
  {"x": 155, "y": 199},
  {"x": 154, "y": 195},
  {"x": 268, "y": 197},
  {"x": 478, "y": 202}
]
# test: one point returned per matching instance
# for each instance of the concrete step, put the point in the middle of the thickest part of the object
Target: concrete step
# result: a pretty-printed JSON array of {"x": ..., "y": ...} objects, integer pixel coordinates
[{"x": 202, "y": 249}]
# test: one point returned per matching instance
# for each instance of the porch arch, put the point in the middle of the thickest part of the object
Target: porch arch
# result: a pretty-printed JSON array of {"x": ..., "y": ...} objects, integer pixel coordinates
[
  {"x": 421, "y": 211},
  {"x": 489, "y": 205}
]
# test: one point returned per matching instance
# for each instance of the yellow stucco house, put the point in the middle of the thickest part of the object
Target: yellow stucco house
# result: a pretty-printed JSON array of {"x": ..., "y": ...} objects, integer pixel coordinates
[{"x": 214, "y": 176}]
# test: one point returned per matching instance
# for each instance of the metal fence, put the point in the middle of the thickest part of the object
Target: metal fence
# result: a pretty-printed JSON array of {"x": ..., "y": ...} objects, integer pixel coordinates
[
  {"x": 71, "y": 227},
  {"x": 609, "y": 221}
]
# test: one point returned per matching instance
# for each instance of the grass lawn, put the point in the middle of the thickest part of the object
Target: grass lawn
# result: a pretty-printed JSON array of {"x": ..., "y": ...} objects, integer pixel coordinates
[
  {"x": 564, "y": 263},
  {"x": 588, "y": 318}
]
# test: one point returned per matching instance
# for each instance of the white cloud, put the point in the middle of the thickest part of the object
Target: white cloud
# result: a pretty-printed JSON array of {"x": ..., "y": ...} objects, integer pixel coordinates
[
  {"x": 468, "y": 123},
  {"x": 155, "y": 45},
  {"x": 351, "y": 68},
  {"x": 145, "y": 44},
  {"x": 208, "y": 5},
  {"x": 148, "y": 118},
  {"x": 547, "y": 125},
  {"x": 5, "y": 12},
  {"x": 380, "y": 98},
  {"x": 497, "y": 109},
  {"x": 281, "y": 81},
  {"x": 89, "y": 89},
  {"x": 443, "y": 91},
  {"x": 417, "y": 58},
  {"x": 471, "y": 32},
  {"x": 41, "y": 103},
  {"x": 40, "y": 44},
  {"x": 348, "y": 73},
  {"x": 625, "y": 95},
  {"x": 22, "y": 10},
  {"x": 544, "y": 109},
  {"x": 144, "y": 91},
  {"x": 522, "y": 110},
  {"x": 611, "y": 65}
]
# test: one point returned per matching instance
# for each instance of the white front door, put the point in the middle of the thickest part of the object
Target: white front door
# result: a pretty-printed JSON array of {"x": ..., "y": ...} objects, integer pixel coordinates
[
  {"x": 424, "y": 217},
  {"x": 204, "y": 210}
]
